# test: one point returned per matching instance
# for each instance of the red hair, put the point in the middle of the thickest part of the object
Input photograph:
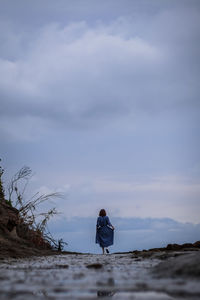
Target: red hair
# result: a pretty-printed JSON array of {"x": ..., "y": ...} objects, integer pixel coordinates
[{"x": 102, "y": 213}]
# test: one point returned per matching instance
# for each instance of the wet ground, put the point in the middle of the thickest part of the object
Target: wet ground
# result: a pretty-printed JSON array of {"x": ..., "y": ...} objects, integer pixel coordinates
[{"x": 117, "y": 276}]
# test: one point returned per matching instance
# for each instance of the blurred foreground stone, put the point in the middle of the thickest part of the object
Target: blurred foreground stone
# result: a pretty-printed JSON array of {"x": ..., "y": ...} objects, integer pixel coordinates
[{"x": 117, "y": 276}]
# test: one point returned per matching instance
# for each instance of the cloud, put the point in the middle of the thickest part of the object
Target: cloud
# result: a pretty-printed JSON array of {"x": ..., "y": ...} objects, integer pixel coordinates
[
  {"x": 173, "y": 183},
  {"x": 70, "y": 76},
  {"x": 104, "y": 97},
  {"x": 159, "y": 197},
  {"x": 79, "y": 76},
  {"x": 130, "y": 233}
]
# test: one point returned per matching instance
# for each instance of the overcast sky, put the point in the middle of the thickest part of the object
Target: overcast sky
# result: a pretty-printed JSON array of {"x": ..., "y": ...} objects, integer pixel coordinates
[{"x": 101, "y": 100}]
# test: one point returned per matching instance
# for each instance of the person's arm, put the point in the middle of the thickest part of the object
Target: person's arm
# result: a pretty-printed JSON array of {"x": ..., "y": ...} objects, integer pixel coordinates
[
  {"x": 108, "y": 223},
  {"x": 98, "y": 223}
]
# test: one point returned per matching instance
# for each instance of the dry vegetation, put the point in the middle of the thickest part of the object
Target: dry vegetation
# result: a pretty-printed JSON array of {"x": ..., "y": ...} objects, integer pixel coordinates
[{"x": 21, "y": 224}]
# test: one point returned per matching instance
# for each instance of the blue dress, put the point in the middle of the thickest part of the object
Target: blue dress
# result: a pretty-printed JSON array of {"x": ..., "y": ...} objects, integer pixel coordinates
[{"x": 104, "y": 232}]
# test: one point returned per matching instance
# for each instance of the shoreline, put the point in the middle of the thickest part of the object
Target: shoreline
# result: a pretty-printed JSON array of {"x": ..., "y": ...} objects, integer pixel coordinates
[{"x": 19, "y": 248}]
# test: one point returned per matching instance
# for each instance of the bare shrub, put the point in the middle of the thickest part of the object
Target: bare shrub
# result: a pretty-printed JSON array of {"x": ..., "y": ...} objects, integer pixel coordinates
[
  {"x": 2, "y": 196},
  {"x": 33, "y": 224}
]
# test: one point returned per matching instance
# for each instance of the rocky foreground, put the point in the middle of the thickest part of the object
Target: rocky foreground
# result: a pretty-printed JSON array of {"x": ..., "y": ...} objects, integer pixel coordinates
[
  {"x": 30, "y": 269},
  {"x": 118, "y": 276}
]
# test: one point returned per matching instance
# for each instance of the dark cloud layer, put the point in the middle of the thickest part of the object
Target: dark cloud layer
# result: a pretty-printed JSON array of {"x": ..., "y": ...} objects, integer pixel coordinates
[
  {"x": 130, "y": 233},
  {"x": 76, "y": 73}
]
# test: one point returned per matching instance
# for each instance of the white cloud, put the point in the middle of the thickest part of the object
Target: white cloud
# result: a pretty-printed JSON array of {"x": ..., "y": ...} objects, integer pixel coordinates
[
  {"x": 172, "y": 184},
  {"x": 78, "y": 75},
  {"x": 163, "y": 197}
]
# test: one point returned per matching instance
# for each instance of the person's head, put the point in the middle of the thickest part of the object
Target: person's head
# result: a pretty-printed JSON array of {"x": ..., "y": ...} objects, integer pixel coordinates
[{"x": 102, "y": 213}]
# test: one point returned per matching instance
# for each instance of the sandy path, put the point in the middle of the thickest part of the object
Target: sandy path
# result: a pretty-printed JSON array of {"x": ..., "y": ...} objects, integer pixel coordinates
[{"x": 117, "y": 276}]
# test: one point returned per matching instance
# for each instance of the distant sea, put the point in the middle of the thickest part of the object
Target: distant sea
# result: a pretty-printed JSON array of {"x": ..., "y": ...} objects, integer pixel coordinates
[{"x": 130, "y": 233}]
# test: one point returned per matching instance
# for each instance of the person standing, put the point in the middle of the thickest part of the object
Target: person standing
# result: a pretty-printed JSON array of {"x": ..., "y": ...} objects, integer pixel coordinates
[{"x": 104, "y": 231}]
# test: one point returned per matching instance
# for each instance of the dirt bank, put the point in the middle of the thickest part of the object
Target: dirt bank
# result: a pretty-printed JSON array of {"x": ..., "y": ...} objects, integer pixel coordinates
[{"x": 17, "y": 239}]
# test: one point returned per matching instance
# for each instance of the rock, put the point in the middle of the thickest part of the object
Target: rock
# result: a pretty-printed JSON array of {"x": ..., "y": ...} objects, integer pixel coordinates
[
  {"x": 156, "y": 249},
  {"x": 62, "y": 266},
  {"x": 13, "y": 233},
  {"x": 197, "y": 244},
  {"x": 94, "y": 266},
  {"x": 173, "y": 247},
  {"x": 187, "y": 245},
  {"x": 187, "y": 265}
]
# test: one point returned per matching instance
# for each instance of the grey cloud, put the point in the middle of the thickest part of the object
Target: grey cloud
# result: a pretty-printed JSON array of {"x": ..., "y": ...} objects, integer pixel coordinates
[
  {"x": 122, "y": 224},
  {"x": 75, "y": 74},
  {"x": 102, "y": 95},
  {"x": 130, "y": 233},
  {"x": 37, "y": 13}
]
